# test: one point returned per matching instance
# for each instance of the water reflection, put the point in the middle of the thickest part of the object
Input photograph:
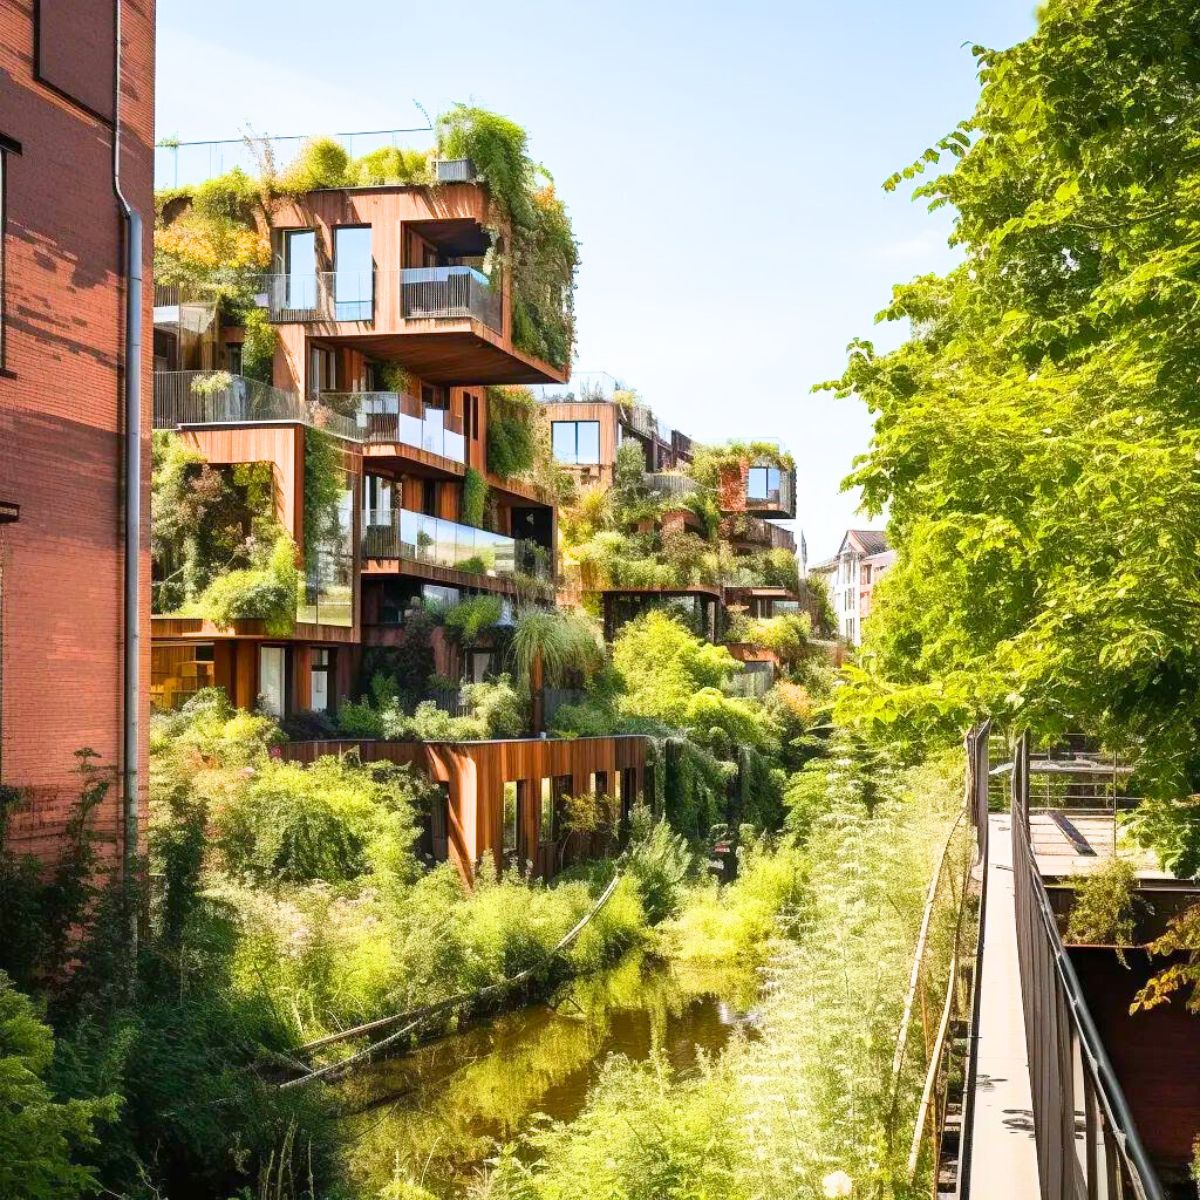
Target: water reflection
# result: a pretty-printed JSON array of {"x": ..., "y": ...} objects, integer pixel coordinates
[{"x": 438, "y": 1114}]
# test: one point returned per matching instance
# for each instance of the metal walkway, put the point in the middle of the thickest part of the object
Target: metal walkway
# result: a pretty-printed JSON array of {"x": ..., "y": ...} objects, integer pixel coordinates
[{"x": 1004, "y": 1155}]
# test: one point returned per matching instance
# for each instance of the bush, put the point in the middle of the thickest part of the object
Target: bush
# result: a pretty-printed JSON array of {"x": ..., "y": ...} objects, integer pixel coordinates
[
  {"x": 41, "y": 1138},
  {"x": 470, "y": 618},
  {"x": 659, "y": 862},
  {"x": 333, "y": 821},
  {"x": 511, "y": 421},
  {"x": 267, "y": 593},
  {"x": 474, "y": 498},
  {"x": 498, "y": 706},
  {"x": 1105, "y": 906}
]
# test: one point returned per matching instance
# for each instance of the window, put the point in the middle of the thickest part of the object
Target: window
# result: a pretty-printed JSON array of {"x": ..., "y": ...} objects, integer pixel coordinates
[
  {"x": 576, "y": 442},
  {"x": 321, "y": 670},
  {"x": 271, "y": 675},
  {"x": 546, "y": 815},
  {"x": 233, "y": 358},
  {"x": 300, "y": 268},
  {"x": 322, "y": 371},
  {"x": 7, "y": 147},
  {"x": 763, "y": 483},
  {"x": 353, "y": 274},
  {"x": 511, "y": 814}
]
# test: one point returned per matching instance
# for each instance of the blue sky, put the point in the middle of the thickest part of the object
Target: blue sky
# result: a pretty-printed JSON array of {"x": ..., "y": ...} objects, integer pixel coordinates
[{"x": 722, "y": 164}]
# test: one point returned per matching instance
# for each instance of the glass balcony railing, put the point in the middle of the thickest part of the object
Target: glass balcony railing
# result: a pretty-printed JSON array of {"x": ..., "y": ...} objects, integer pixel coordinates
[
  {"x": 420, "y": 293},
  {"x": 219, "y": 398},
  {"x": 414, "y": 537},
  {"x": 392, "y": 417}
]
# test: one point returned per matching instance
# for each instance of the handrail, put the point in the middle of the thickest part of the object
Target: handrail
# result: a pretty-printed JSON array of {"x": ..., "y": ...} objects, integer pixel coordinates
[
  {"x": 220, "y": 398},
  {"x": 401, "y": 419},
  {"x": 1061, "y": 1037}
]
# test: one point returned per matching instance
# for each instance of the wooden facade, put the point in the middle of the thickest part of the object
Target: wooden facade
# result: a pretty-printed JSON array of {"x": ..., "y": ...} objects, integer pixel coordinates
[{"x": 473, "y": 776}]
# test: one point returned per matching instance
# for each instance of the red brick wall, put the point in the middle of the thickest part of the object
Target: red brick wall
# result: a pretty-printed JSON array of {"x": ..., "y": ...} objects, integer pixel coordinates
[{"x": 61, "y": 411}]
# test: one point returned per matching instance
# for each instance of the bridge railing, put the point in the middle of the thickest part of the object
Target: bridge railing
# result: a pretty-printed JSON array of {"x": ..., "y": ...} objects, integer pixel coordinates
[{"x": 1068, "y": 1065}]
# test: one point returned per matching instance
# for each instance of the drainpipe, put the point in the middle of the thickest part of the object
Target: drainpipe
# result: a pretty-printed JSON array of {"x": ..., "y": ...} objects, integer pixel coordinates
[{"x": 131, "y": 600}]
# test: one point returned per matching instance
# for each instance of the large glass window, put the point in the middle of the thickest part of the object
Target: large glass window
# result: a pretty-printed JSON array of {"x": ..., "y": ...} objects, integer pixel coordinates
[
  {"x": 271, "y": 679},
  {"x": 512, "y": 809},
  {"x": 576, "y": 442},
  {"x": 322, "y": 666},
  {"x": 300, "y": 267},
  {"x": 353, "y": 276},
  {"x": 763, "y": 483}
]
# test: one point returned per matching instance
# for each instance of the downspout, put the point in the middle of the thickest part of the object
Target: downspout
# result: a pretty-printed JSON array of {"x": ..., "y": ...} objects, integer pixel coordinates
[{"x": 131, "y": 600}]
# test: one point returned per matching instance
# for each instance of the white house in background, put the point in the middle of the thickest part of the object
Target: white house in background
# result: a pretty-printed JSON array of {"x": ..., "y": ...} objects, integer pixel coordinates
[{"x": 864, "y": 555}]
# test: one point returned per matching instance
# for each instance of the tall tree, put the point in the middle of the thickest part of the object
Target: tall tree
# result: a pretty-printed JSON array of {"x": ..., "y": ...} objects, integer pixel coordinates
[{"x": 1037, "y": 437}]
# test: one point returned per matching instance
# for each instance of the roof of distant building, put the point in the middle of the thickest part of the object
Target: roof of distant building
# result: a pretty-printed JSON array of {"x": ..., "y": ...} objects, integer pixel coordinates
[{"x": 869, "y": 541}]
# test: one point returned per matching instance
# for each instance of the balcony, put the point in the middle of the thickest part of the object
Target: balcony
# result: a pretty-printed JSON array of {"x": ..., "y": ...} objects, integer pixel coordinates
[
  {"x": 445, "y": 324},
  {"x": 753, "y": 533},
  {"x": 771, "y": 491},
  {"x": 219, "y": 398},
  {"x": 669, "y": 484},
  {"x": 450, "y": 292},
  {"x": 431, "y": 541},
  {"x": 423, "y": 293},
  {"x": 392, "y": 418}
]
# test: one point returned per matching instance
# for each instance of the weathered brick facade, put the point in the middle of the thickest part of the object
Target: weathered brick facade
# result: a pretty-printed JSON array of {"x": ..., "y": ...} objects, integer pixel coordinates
[{"x": 61, "y": 394}]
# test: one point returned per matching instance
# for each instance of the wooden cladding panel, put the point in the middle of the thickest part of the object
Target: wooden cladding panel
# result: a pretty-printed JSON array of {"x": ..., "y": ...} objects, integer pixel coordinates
[{"x": 476, "y": 773}]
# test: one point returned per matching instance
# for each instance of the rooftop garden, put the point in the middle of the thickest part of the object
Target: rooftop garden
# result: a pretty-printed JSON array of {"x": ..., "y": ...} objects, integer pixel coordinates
[{"x": 215, "y": 234}]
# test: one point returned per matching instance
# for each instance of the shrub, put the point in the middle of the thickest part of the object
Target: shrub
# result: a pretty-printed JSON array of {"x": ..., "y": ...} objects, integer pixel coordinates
[
  {"x": 511, "y": 421},
  {"x": 331, "y": 821},
  {"x": 498, "y": 706},
  {"x": 40, "y": 1137},
  {"x": 659, "y": 862},
  {"x": 470, "y": 618},
  {"x": 321, "y": 163},
  {"x": 1105, "y": 906},
  {"x": 267, "y": 593},
  {"x": 474, "y": 498}
]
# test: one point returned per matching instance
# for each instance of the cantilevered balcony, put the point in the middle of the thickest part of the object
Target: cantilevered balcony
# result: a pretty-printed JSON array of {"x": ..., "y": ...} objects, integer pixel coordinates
[
  {"x": 219, "y": 398},
  {"x": 748, "y": 533},
  {"x": 446, "y": 324},
  {"x": 399, "y": 535},
  {"x": 670, "y": 484},
  {"x": 394, "y": 419},
  {"x": 771, "y": 491}
]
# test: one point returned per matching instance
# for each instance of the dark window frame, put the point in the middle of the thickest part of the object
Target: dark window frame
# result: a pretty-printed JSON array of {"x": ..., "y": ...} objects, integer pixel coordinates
[
  {"x": 575, "y": 460},
  {"x": 768, "y": 492},
  {"x": 7, "y": 146}
]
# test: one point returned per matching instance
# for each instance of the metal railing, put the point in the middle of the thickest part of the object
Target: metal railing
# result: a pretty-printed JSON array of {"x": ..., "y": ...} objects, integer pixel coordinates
[
  {"x": 1106, "y": 1159},
  {"x": 639, "y": 418},
  {"x": 401, "y": 534},
  {"x": 670, "y": 483},
  {"x": 181, "y": 163},
  {"x": 415, "y": 293},
  {"x": 219, "y": 398},
  {"x": 450, "y": 292},
  {"x": 393, "y": 417},
  {"x": 454, "y": 170},
  {"x": 758, "y": 532}
]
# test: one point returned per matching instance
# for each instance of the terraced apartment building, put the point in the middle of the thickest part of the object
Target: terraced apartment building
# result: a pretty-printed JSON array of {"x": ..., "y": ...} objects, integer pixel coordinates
[{"x": 369, "y": 424}]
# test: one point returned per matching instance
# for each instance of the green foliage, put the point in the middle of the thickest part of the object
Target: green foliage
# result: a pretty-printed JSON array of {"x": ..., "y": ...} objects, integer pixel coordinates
[
  {"x": 541, "y": 253},
  {"x": 324, "y": 485},
  {"x": 659, "y": 862},
  {"x": 663, "y": 667},
  {"x": 321, "y": 163},
  {"x": 39, "y": 910},
  {"x": 41, "y": 1137},
  {"x": 511, "y": 423},
  {"x": 1036, "y": 436},
  {"x": 258, "y": 345},
  {"x": 474, "y": 498},
  {"x": 390, "y": 165},
  {"x": 332, "y": 821},
  {"x": 559, "y": 640},
  {"x": 710, "y": 462},
  {"x": 498, "y": 706},
  {"x": 470, "y": 618},
  {"x": 267, "y": 593},
  {"x": 1104, "y": 907}
]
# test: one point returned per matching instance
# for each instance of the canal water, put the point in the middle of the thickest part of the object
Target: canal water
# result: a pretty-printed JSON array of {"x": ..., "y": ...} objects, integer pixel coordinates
[{"x": 437, "y": 1115}]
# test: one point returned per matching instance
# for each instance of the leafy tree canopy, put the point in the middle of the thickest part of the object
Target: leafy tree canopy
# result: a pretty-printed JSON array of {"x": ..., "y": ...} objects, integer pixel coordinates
[{"x": 1038, "y": 434}]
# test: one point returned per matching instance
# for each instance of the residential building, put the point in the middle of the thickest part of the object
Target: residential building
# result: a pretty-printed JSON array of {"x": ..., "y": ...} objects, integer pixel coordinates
[
  {"x": 862, "y": 558},
  {"x": 595, "y": 416},
  {"x": 76, "y": 136},
  {"x": 382, "y": 374}
]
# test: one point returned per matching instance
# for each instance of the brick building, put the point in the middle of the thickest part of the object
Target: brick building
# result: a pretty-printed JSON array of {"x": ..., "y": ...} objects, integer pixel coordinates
[{"x": 63, "y": 433}]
